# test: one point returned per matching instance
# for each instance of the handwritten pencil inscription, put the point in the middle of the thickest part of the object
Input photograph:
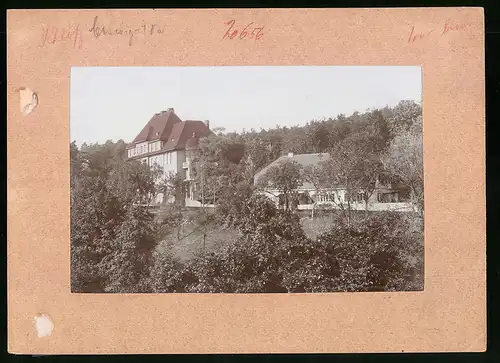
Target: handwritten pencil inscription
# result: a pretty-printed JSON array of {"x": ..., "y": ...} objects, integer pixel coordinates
[
  {"x": 75, "y": 34},
  {"x": 146, "y": 29},
  {"x": 55, "y": 35},
  {"x": 417, "y": 35},
  {"x": 248, "y": 31}
]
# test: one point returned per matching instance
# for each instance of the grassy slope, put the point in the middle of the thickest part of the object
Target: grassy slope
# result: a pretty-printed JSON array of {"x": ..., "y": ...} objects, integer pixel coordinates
[{"x": 190, "y": 239}]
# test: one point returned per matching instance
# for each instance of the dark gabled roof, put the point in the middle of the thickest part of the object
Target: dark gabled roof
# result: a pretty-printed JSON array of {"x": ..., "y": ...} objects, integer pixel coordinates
[
  {"x": 159, "y": 127},
  {"x": 192, "y": 143},
  {"x": 182, "y": 132},
  {"x": 303, "y": 159}
]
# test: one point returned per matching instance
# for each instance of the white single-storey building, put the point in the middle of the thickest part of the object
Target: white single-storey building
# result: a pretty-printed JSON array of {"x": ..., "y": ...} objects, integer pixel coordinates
[{"x": 381, "y": 198}]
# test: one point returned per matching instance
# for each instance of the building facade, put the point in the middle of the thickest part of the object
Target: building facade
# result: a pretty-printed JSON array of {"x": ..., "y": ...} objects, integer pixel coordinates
[
  {"x": 166, "y": 141},
  {"x": 381, "y": 197}
]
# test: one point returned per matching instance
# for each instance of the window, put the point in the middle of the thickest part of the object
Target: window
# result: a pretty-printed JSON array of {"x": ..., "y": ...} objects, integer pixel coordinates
[
  {"x": 387, "y": 197},
  {"x": 355, "y": 198},
  {"x": 404, "y": 195}
]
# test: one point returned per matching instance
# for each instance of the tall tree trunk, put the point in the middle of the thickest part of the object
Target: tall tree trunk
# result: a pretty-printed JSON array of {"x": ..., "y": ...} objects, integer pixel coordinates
[
  {"x": 285, "y": 194},
  {"x": 348, "y": 213}
]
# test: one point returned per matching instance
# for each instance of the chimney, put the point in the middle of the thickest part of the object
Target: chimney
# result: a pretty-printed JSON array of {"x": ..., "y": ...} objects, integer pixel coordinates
[
  {"x": 207, "y": 123},
  {"x": 290, "y": 155}
]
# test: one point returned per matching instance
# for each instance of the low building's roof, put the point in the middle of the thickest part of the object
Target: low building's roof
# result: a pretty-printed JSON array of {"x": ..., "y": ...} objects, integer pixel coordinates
[{"x": 303, "y": 159}]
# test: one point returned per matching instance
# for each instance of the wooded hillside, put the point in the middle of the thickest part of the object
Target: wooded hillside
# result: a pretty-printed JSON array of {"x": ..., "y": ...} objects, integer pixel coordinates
[{"x": 114, "y": 234}]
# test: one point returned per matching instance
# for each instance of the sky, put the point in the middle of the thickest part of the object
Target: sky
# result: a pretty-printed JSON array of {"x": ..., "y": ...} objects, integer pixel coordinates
[{"x": 112, "y": 103}]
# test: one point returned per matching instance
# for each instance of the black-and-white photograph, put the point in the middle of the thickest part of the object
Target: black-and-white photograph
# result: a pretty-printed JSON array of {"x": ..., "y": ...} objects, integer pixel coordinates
[{"x": 262, "y": 179}]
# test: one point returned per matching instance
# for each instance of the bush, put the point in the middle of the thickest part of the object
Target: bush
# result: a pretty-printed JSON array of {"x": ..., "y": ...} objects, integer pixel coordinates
[
  {"x": 382, "y": 253},
  {"x": 232, "y": 203}
]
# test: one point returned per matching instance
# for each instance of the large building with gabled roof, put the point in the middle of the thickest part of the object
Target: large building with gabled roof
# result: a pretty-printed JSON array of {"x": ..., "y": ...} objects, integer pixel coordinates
[{"x": 164, "y": 141}]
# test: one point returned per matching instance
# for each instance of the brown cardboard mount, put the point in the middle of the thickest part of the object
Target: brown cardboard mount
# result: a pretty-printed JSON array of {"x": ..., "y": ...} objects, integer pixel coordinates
[{"x": 449, "y": 315}]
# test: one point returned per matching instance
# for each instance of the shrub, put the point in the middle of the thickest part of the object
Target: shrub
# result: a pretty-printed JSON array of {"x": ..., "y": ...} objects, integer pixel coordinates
[
  {"x": 382, "y": 253},
  {"x": 232, "y": 203}
]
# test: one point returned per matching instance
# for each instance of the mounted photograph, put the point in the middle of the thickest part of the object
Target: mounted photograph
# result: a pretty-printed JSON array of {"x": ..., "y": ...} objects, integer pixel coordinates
[{"x": 262, "y": 179}]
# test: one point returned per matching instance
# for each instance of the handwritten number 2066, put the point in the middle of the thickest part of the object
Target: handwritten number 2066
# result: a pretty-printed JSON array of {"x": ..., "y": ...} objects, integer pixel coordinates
[{"x": 248, "y": 31}]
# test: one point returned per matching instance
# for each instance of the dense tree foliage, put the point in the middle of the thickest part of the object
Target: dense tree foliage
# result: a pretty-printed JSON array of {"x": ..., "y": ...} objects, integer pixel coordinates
[
  {"x": 115, "y": 234},
  {"x": 404, "y": 160},
  {"x": 273, "y": 255},
  {"x": 285, "y": 177}
]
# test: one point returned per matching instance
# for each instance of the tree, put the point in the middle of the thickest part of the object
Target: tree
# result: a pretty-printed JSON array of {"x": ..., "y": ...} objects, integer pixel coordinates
[
  {"x": 172, "y": 186},
  {"x": 256, "y": 156},
  {"x": 404, "y": 160},
  {"x": 295, "y": 140},
  {"x": 341, "y": 128},
  {"x": 217, "y": 164},
  {"x": 319, "y": 136},
  {"x": 126, "y": 268},
  {"x": 112, "y": 231},
  {"x": 285, "y": 177},
  {"x": 380, "y": 133},
  {"x": 405, "y": 114},
  {"x": 354, "y": 168},
  {"x": 318, "y": 176},
  {"x": 231, "y": 208}
]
